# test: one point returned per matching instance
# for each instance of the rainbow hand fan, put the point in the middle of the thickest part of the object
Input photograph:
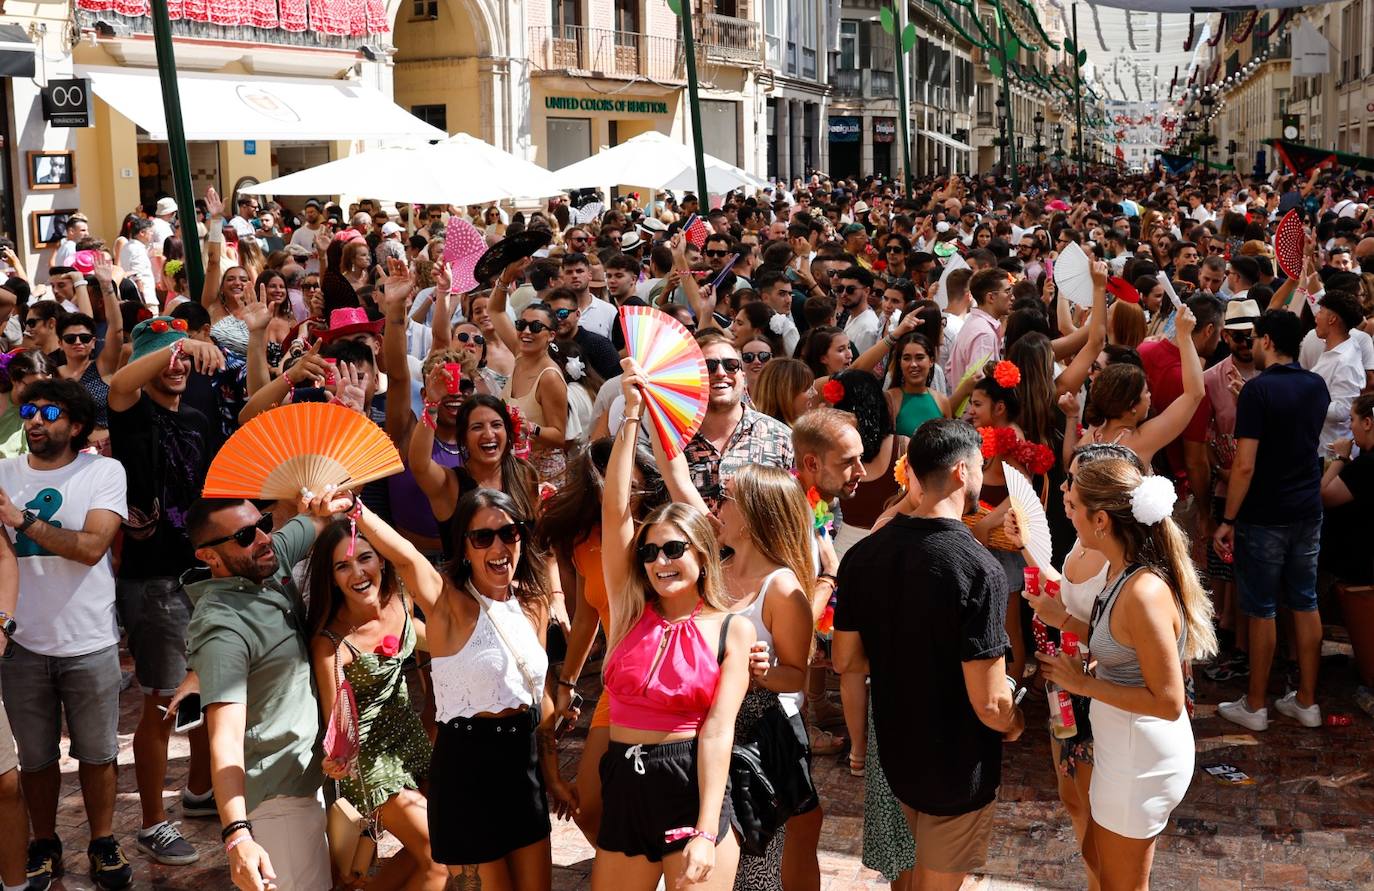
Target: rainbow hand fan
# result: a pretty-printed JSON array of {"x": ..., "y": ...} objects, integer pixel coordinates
[
  {"x": 1288, "y": 244},
  {"x": 675, "y": 396},
  {"x": 303, "y": 445},
  {"x": 1030, "y": 516}
]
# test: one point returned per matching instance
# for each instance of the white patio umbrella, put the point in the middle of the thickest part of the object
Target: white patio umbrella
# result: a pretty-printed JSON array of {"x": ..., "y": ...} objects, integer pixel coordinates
[
  {"x": 459, "y": 170},
  {"x": 654, "y": 161}
]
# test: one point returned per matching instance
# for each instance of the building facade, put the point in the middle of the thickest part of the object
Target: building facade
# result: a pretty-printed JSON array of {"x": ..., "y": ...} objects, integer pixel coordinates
[{"x": 1336, "y": 110}]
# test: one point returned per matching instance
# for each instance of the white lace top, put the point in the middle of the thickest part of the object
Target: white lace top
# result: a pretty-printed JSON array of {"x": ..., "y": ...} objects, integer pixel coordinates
[{"x": 484, "y": 676}]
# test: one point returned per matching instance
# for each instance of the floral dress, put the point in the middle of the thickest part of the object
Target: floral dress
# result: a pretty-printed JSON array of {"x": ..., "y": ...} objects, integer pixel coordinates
[
  {"x": 888, "y": 846},
  {"x": 395, "y": 751}
]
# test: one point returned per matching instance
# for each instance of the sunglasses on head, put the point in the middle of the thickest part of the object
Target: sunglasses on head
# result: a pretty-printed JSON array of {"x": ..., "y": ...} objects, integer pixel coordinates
[
  {"x": 245, "y": 536},
  {"x": 479, "y": 340},
  {"x": 70, "y": 339},
  {"x": 750, "y": 357},
  {"x": 49, "y": 412},
  {"x": 534, "y": 327},
  {"x": 648, "y": 553},
  {"x": 731, "y": 366},
  {"x": 485, "y": 538}
]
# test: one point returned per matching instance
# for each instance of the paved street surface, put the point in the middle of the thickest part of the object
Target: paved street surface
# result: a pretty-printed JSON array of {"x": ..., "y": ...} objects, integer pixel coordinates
[{"x": 1306, "y": 822}]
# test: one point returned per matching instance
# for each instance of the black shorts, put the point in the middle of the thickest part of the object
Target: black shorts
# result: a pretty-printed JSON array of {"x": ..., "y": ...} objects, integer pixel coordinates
[
  {"x": 647, "y": 791},
  {"x": 486, "y": 794}
]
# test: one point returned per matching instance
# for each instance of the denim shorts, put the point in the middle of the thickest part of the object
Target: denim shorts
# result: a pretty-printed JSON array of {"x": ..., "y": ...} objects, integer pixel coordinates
[
  {"x": 155, "y": 613},
  {"x": 38, "y": 690},
  {"x": 1277, "y": 565}
]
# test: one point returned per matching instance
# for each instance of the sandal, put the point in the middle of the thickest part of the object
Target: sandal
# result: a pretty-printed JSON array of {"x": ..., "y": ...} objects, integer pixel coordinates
[
  {"x": 856, "y": 768},
  {"x": 823, "y": 742},
  {"x": 826, "y": 712}
]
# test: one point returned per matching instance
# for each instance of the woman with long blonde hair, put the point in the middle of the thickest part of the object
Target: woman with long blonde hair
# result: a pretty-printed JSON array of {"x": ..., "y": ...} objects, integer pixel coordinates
[
  {"x": 676, "y": 673},
  {"x": 784, "y": 390},
  {"x": 1152, "y": 616}
]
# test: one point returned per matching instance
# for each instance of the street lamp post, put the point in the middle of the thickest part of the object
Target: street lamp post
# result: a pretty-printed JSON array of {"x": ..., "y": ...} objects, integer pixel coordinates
[{"x": 1038, "y": 148}]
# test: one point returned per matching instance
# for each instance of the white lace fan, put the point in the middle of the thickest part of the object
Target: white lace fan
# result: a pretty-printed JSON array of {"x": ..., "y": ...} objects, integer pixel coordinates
[
  {"x": 1073, "y": 275},
  {"x": 1030, "y": 516}
]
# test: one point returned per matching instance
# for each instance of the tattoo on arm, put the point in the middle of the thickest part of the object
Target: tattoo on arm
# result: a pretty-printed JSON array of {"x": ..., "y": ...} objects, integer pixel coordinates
[{"x": 466, "y": 879}]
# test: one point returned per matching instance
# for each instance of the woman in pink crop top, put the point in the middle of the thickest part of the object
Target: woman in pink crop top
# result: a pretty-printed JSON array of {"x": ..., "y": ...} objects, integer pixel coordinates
[{"x": 676, "y": 673}]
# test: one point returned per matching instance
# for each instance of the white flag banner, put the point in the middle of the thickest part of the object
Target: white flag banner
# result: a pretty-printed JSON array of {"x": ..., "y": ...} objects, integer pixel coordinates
[{"x": 1311, "y": 51}]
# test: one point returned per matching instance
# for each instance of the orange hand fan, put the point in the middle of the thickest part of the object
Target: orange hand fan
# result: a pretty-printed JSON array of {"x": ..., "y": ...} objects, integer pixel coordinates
[
  {"x": 675, "y": 370},
  {"x": 304, "y": 445}
]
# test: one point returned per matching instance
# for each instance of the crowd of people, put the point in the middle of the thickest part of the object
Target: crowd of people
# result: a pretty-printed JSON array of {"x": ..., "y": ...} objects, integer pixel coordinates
[{"x": 884, "y": 368}]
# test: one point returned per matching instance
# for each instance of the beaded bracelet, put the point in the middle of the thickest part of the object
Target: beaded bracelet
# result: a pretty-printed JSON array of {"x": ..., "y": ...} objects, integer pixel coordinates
[{"x": 235, "y": 827}]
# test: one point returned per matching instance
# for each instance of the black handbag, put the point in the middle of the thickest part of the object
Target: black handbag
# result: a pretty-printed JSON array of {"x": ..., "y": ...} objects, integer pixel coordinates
[{"x": 770, "y": 780}]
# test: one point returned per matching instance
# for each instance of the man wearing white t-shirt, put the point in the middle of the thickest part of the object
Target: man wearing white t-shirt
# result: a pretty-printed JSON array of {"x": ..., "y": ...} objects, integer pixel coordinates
[
  {"x": 137, "y": 263},
  {"x": 61, "y": 509},
  {"x": 598, "y": 316},
  {"x": 858, "y": 319},
  {"x": 305, "y": 236}
]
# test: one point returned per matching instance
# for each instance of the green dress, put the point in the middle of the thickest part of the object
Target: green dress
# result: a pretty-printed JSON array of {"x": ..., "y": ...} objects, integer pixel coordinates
[{"x": 395, "y": 751}]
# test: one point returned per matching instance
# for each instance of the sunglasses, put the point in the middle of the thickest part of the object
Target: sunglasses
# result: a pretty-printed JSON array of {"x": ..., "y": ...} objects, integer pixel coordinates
[
  {"x": 32, "y": 323},
  {"x": 1243, "y": 339},
  {"x": 245, "y": 536},
  {"x": 846, "y": 289},
  {"x": 750, "y": 357},
  {"x": 478, "y": 339},
  {"x": 70, "y": 339},
  {"x": 535, "y": 327},
  {"x": 562, "y": 314},
  {"x": 896, "y": 250},
  {"x": 307, "y": 286},
  {"x": 731, "y": 366},
  {"x": 49, "y": 412},
  {"x": 648, "y": 553},
  {"x": 485, "y": 538},
  {"x": 717, "y": 253}
]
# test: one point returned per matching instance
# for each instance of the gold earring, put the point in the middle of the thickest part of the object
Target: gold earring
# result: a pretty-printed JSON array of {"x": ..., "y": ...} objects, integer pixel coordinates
[{"x": 1099, "y": 532}]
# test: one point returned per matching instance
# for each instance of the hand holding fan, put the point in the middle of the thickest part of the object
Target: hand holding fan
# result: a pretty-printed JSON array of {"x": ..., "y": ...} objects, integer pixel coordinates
[
  {"x": 1073, "y": 275},
  {"x": 303, "y": 445},
  {"x": 674, "y": 371},
  {"x": 1163, "y": 279},
  {"x": 1030, "y": 516},
  {"x": 1288, "y": 244}
]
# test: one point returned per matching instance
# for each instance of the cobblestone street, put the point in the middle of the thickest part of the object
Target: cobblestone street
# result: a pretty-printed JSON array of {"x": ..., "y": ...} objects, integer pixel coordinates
[{"x": 1306, "y": 822}]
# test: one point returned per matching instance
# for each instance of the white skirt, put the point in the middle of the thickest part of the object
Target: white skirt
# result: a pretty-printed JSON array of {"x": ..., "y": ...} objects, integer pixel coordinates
[{"x": 1141, "y": 769}]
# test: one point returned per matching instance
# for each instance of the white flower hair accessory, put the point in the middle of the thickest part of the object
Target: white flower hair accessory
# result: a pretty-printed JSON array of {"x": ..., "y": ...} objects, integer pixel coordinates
[
  {"x": 1152, "y": 500},
  {"x": 778, "y": 323},
  {"x": 575, "y": 369}
]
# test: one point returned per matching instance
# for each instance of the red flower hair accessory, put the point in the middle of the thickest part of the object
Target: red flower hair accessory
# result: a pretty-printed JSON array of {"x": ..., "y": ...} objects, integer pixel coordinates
[
  {"x": 1033, "y": 456},
  {"x": 833, "y": 391},
  {"x": 1006, "y": 374},
  {"x": 159, "y": 326},
  {"x": 990, "y": 448}
]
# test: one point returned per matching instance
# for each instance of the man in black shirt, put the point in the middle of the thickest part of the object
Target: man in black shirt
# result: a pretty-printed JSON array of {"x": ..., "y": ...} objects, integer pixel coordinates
[
  {"x": 601, "y": 355},
  {"x": 162, "y": 443},
  {"x": 923, "y": 604}
]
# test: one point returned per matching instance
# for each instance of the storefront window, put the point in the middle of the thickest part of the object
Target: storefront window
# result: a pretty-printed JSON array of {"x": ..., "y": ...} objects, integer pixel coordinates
[{"x": 569, "y": 141}]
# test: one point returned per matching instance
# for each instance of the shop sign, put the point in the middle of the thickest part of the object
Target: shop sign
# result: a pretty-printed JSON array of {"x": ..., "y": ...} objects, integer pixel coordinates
[
  {"x": 250, "y": 146},
  {"x": 844, "y": 129},
  {"x": 67, "y": 103},
  {"x": 588, "y": 103},
  {"x": 884, "y": 129}
]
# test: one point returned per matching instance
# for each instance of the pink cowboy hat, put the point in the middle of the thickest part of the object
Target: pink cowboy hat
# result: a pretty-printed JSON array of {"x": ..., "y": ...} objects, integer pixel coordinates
[
  {"x": 350, "y": 320},
  {"x": 463, "y": 247}
]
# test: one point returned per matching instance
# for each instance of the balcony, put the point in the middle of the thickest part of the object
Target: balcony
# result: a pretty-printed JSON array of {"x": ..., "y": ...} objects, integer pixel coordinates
[
  {"x": 185, "y": 28},
  {"x": 855, "y": 83},
  {"x": 847, "y": 82},
  {"x": 724, "y": 38},
  {"x": 602, "y": 52},
  {"x": 881, "y": 85}
]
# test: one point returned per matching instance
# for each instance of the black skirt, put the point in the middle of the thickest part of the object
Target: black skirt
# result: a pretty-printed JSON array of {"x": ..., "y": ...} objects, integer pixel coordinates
[
  {"x": 486, "y": 793},
  {"x": 647, "y": 791}
]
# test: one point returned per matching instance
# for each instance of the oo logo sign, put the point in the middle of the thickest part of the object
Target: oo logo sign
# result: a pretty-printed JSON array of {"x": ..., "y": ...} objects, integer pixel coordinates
[{"x": 67, "y": 103}]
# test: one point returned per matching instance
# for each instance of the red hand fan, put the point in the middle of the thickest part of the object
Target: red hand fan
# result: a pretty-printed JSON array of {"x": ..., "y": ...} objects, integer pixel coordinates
[
  {"x": 1121, "y": 289},
  {"x": 1288, "y": 244}
]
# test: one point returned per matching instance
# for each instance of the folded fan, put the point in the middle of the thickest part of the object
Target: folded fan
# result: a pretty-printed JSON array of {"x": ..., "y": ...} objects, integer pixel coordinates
[
  {"x": 1288, "y": 244},
  {"x": 1030, "y": 516},
  {"x": 1073, "y": 275},
  {"x": 674, "y": 372},
  {"x": 304, "y": 445}
]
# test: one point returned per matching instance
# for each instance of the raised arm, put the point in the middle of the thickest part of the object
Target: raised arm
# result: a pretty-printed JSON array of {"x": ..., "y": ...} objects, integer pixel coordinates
[
  {"x": 308, "y": 368},
  {"x": 617, "y": 522},
  {"x": 1164, "y": 428},
  {"x": 439, "y": 485},
  {"x": 421, "y": 579},
  {"x": 505, "y": 328},
  {"x": 396, "y": 290},
  {"x": 107, "y": 362},
  {"x": 871, "y": 358},
  {"x": 257, "y": 314},
  {"x": 214, "y": 250},
  {"x": 130, "y": 380},
  {"x": 1071, "y": 379}
]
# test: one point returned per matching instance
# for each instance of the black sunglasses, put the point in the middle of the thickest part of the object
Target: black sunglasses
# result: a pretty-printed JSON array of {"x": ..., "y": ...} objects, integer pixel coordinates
[
  {"x": 846, "y": 289},
  {"x": 534, "y": 327},
  {"x": 485, "y": 538},
  {"x": 245, "y": 536},
  {"x": 717, "y": 253},
  {"x": 750, "y": 357},
  {"x": 896, "y": 249},
  {"x": 1243, "y": 339},
  {"x": 478, "y": 339},
  {"x": 562, "y": 314},
  {"x": 70, "y": 339},
  {"x": 731, "y": 366},
  {"x": 49, "y": 412},
  {"x": 33, "y": 323},
  {"x": 648, "y": 553},
  {"x": 307, "y": 286}
]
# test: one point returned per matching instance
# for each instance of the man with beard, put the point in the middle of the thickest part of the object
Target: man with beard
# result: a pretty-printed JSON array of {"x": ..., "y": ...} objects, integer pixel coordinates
[
  {"x": 62, "y": 508},
  {"x": 247, "y": 646},
  {"x": 922, "y": 599},
  {"x": 163, "y": 446},
  {"x": 307, "y": 233}
]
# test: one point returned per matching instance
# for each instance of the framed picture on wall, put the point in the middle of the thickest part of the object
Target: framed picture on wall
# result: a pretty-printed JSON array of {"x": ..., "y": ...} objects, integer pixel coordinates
[
  {"x": 51, "y": 170},
  {"x": 47, "y": 228}
]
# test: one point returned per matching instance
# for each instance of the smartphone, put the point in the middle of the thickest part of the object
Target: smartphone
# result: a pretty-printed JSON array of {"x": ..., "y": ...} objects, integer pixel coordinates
[
  {"x": 188, "y": 716},
  {"x": 562, "y": 725}
]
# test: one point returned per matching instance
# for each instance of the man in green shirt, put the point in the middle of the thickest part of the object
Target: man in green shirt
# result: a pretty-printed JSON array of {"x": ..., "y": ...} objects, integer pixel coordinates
[{"x": 247, "y": 644}]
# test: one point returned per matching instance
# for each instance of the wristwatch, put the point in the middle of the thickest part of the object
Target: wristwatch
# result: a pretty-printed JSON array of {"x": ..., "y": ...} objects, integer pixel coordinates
[
  {"x": 1227, "y": 521},
  {"x": 7, "y": 624},
  {"x": 29, "y": 519}
]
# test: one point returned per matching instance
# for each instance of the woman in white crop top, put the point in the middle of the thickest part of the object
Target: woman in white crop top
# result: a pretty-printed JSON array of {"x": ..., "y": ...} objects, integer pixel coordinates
[
  {"x": 485, "y": 621},
  {"x": 1082, "y": 579}
]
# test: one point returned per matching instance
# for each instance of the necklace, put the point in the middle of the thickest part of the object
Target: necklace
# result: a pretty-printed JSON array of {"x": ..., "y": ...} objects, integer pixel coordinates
[{"x": 455, "y": 451}]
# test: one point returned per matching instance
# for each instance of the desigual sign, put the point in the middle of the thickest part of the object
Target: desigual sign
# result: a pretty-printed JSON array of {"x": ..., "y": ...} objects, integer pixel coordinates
[{"x": 588, "y": 103}]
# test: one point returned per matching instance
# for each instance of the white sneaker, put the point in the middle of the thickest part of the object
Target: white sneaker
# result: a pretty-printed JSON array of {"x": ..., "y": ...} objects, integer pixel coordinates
[
  {"x": 1238, "y": 712},
  {"x": 1307, "y": 717}
]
